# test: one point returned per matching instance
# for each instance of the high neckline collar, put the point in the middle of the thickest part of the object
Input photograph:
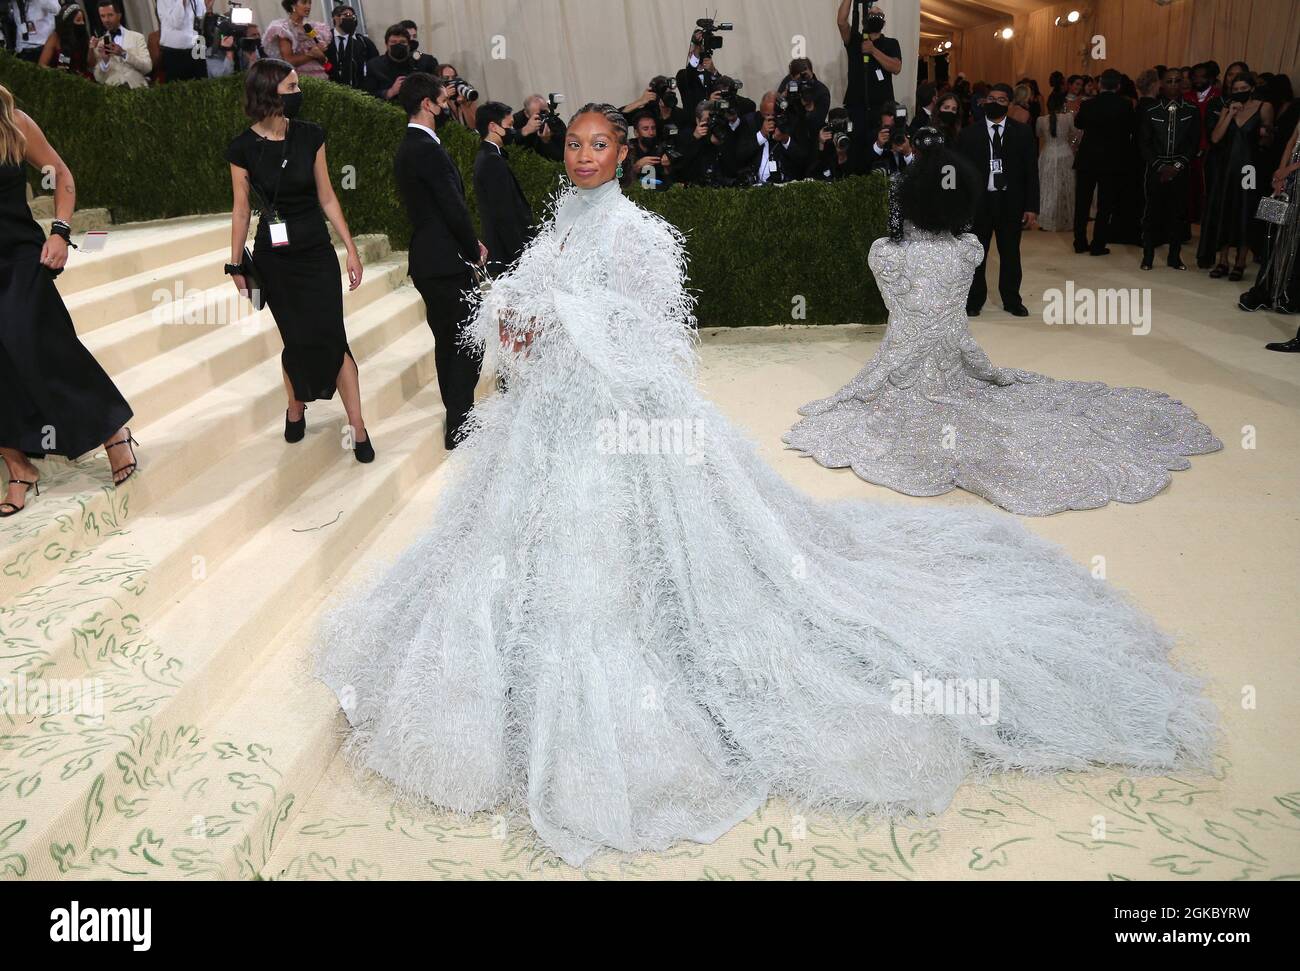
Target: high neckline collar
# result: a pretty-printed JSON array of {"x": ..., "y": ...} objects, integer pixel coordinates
[{"x": 600, "y": 194}]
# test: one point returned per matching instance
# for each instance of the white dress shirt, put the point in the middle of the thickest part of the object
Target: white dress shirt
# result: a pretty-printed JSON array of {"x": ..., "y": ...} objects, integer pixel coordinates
[
  {"x": 764, "y": 161},
  {"x": 425, "y": 128},
  {"x": 41, "y": 13},
  {"x": 1003, "y": 126},
  {"x": 176, "y": 22}
]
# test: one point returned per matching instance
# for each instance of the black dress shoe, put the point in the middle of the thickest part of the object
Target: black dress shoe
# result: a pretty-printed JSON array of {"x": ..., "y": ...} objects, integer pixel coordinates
[
  {"x": 1019, "y": 310},
  {"x": 1081, "y": 247},
  {"x": 1176, "y": 265},
  {"x": 1286, "y": 347},
  {"x": 295, "y": 431},
  {"x": 364, "y": 451},
  {"x": 972, "y": 311},
  {"x": 1148, "y": 259},
  {"x": 1104, "y": 251}
]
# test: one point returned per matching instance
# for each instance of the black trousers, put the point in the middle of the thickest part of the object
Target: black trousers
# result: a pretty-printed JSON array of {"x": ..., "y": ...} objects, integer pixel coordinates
[
  {"x": 1106, "y": 186},
  {"x": 993, "y": 217},
  {"x": 1164, "y": 216},
  {"x": 448, "y": 311},
  {"x": 181, "y": 64}
]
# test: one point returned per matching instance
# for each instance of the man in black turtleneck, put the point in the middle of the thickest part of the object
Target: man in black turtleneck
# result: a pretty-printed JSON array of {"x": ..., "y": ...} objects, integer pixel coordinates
[
  {"x": 1169, "y": 136},
  {"x": 349, "y": 51}
]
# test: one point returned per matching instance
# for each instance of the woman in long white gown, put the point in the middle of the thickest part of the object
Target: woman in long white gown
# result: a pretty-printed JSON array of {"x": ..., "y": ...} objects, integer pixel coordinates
[
  {"x": 930, "y": 412},
  {"x": 623, "y": 624},
  {"x": 1057, "y": 136}
]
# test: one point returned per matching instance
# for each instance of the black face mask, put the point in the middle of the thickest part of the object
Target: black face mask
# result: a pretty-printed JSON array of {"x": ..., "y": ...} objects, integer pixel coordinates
[
  {"x": 875, "y": 24},
  {"x": 348, "y": 25},
  {"x": 399, "y": 52},
  {"x": 948, "y": 115},
  {"x": 291, "y": 104},
  {"x": 995, "y": 110},
  {"x": 1200, "y": 85},
  {"x": 1241, "y": 97},
  {"x": 670, "y": 99},
  {"x": 415, "y": 46}
]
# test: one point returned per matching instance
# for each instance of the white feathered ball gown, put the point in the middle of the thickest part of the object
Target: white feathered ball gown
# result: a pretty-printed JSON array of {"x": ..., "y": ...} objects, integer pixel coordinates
[{"x": 624, "y": 624}]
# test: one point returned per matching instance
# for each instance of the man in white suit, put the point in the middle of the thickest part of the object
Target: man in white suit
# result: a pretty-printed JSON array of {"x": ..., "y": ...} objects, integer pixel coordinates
[{"x": 121, "y": 56}]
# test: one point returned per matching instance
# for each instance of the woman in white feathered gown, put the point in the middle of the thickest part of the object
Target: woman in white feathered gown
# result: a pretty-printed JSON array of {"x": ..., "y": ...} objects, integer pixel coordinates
[{"x": 624, "y": 624}]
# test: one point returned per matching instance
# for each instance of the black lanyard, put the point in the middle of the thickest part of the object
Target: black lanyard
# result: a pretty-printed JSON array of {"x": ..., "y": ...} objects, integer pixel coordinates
[{"x": 279, "y": 178}]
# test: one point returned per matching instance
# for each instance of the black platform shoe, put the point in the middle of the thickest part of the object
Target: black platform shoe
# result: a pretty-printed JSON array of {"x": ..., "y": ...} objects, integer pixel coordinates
[
  {"x": 295, "y": 431},
  {"x": 364, "y": 451}
]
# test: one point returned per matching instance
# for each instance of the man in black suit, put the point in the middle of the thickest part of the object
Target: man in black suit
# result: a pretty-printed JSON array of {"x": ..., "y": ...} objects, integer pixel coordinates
[
  {"x": 349, "y": 51},
  {"x": 386, "y": 73},
  {"x": 1003, "y": 153},
  {"x": 443, "y": 244},
  {"x": 1104, "y": 161},
  {"x": 891, "y": 144},
  {"x": 1169, "y": 136},
  {"x": 502, "y": 207}
]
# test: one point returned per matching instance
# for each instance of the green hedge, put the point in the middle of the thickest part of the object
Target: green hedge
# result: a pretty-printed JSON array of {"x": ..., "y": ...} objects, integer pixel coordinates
[{"x": 756, "y": 254}]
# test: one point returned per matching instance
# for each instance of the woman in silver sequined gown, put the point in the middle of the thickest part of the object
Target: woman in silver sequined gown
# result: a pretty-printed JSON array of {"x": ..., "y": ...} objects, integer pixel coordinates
[
  {"x": 629, "y": 638},
  {"x": 930, "y": 412}
]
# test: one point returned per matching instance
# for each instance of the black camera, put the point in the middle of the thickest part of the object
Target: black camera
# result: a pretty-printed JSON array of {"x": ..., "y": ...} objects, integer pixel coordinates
[
  {"x": 665, "y": 89},
  {"x": 718, "y": 122},
  {"x": 840, "y": 126},
  {"x": 462, "y": 88},
  {"x": 709, "y": 40},
  {"x": 550, "y": 114}
]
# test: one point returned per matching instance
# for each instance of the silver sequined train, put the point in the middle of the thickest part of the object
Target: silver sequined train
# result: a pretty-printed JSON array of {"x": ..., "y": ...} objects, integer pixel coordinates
[{"x": 931, "y": 412}]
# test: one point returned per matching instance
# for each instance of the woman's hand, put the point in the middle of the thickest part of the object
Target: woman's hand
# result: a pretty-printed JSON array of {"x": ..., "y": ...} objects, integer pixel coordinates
[
  {"x": 517, "y": 342},
  {"x": 241, "y": 284},
  {"x": 354, "y": 269},
  {"x": 54, "y": 254}
]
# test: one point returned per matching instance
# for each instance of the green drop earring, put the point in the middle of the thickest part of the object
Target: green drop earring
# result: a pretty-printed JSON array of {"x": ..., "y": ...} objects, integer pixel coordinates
[{"x": 618, "y": 172}]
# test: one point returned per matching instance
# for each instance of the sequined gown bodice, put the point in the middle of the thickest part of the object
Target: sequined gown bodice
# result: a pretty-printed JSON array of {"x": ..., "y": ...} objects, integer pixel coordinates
[{"x": 931, "y": 412}]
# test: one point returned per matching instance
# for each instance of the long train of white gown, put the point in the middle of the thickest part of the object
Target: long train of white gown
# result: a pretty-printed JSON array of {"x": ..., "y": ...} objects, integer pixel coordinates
[
  {"x": 930, "y": 412},
  {"x": 636, "y": 649}
]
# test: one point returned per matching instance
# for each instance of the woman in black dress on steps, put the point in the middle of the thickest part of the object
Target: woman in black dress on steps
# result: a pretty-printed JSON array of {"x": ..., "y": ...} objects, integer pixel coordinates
[
  {"x": 55, "y": 399},
  {"x": 279, "y": 163}
]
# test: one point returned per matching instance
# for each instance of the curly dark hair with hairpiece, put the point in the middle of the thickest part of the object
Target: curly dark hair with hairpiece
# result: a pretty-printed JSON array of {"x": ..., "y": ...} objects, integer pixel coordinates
[{"x": 939, "y": 191}]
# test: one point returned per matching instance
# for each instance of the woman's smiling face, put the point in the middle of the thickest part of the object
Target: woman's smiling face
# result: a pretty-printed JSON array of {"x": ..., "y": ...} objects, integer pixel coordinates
[{"x": 592, "y": 150}]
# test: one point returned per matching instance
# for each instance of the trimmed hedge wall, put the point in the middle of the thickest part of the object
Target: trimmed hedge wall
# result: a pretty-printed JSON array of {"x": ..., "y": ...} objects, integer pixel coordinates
[{"x": 757, "y": 256}]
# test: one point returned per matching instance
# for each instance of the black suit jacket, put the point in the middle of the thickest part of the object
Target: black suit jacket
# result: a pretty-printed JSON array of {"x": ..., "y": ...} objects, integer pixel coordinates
[
  {"x": 350, "y": 67},
  {"x": 1107, "y": 125},
  {"x": 433, "y": 194},
  {"x": 502, "y": 207},
  {"x": 1019, "y": 164}
]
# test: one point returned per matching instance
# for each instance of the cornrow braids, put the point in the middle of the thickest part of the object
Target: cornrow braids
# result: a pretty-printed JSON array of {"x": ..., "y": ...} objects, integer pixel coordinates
[{"x": 612, "y": 115}]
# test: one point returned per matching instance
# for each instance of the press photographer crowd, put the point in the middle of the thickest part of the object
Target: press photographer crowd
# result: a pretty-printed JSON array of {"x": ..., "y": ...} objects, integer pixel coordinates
[{"x": 1109, "y": 158}]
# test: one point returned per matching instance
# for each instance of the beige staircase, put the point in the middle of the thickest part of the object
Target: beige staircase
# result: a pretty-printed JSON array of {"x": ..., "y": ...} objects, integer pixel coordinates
[{"x": 170, "y": 595}]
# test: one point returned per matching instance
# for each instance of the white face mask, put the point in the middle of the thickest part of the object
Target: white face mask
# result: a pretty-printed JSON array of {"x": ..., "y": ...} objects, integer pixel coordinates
[{"x": 694, "y": 61}]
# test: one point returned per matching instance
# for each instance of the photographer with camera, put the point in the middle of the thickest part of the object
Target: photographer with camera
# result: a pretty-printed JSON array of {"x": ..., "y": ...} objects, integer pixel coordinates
[
  {"x": 237, "y": 48},
  {"x": 838, "y": 155},
  {"x": 385, "y": 73},
  {"x": 874, "y": 59},
  {"x": 891, "y": 147},
  {"x": 121, "y": 56},
  {"x": 29, "y": 25},
  {"x": 541, "y": 129},
  {"x": 652, "y": 156},
  {"x": 660, "y": 100},
  {"x": 349, "y": 52},
  {"x": 694, "y": 79},
  {"x": 701, "y": 148},
  {"x": 775, "y": 152},
  {"x": 807, "y": 95},
  {"x": 462, "y": 97}
]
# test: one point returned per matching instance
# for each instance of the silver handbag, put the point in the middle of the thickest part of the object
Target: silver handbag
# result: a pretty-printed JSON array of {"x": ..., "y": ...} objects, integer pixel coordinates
[{"x": 1275, "y": 209}]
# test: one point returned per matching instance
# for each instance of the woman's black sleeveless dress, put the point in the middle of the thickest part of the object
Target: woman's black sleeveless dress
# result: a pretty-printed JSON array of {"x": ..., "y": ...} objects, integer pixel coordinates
[
  {"x": 301, "y": 281},
  {"x": 1230, "y": 206},
  {"x": 55, "y": 399}
]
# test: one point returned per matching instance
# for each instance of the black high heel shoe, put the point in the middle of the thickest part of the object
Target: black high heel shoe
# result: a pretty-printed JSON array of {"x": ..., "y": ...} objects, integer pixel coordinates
[
  {"x": 130, "y": 467},
  {"x": 295, "y": 431},
  {"x": 364, "y": 451},
  {"x": 8, "y": 509}
]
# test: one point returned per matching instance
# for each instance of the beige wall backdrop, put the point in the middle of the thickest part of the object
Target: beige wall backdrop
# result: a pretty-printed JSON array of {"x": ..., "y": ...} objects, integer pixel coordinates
[
  {"x": 1139, "y": 34},
  {"x": 606, "y": 50}
]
